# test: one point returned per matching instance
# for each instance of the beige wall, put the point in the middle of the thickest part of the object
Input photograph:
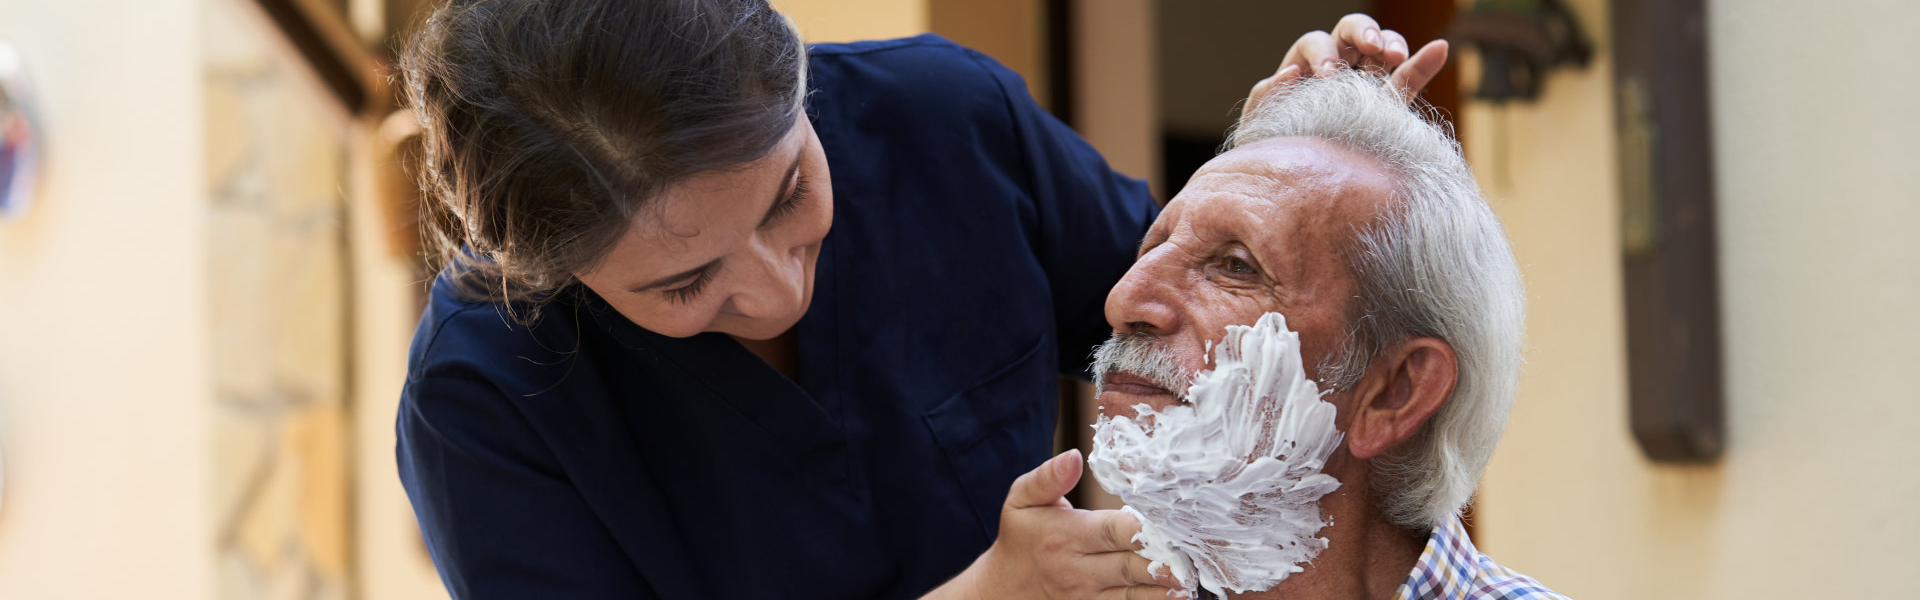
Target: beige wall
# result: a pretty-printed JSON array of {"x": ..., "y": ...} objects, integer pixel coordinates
[
  {"x": 104, "y": 417},
  {"x": 1011, "y": 31},
  {"x": 391, "y": 559},
  {"x": 1816, "y": 205},
  {"x": 854, "y": 20},
  {"x": 1116, "y": 75}
]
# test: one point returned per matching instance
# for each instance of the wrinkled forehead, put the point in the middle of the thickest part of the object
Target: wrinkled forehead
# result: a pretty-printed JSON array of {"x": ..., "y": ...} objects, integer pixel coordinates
[{"x": 1277, "y": 195}]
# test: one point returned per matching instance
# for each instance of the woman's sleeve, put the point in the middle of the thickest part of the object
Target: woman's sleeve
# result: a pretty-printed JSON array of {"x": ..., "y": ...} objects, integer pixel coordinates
[
  {"x": 1091, "y": 219},
  {"x": 500, "y": 518}
]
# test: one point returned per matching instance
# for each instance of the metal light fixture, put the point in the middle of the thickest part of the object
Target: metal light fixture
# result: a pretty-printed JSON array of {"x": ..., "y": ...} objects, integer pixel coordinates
[
  {"x": 1519, "y": 41},
  {"x": 20, "y": 132}
]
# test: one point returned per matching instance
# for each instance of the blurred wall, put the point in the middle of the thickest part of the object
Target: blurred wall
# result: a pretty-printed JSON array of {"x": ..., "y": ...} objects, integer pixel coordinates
[
  {"x": 1818, "y": 279},
  {"x": 104, "y": 376},
  {"x": 1013, "y": 32},
  {"x": 854, "y": 20},
  {"x": 390, "y": 557}
]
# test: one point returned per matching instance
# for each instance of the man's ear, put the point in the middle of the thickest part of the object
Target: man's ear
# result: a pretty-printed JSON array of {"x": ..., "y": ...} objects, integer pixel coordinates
[{"x": 1404, "y": 388}]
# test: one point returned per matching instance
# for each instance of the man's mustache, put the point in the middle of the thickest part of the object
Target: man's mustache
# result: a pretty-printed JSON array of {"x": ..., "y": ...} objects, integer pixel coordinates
[{"x": 1144, "y": 355}]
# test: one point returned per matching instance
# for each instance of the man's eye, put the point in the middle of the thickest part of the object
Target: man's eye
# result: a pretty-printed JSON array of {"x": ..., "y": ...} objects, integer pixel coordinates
[{"x": 1237, "y": 266}]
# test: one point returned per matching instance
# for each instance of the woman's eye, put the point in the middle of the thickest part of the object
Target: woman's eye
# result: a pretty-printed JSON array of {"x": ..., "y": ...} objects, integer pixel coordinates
[
  {"x": 788, "y": 205},
  {"x": 691, "y": 290}
]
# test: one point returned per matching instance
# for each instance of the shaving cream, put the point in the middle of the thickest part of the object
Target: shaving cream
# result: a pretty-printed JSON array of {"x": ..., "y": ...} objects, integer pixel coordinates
[{"x": 1227, "y": 488}]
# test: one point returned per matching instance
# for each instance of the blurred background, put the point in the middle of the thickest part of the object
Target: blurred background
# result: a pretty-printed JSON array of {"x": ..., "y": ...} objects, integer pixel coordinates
[{"x": 209, "y": 273}]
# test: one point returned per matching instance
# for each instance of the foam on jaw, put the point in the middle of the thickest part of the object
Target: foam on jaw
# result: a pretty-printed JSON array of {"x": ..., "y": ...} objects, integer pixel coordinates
[{"x": 1228, "y": 488}]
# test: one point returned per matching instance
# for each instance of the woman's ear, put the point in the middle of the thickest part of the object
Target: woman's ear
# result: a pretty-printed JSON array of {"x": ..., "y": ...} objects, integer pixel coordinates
[{"x": 1402, "y": 391}]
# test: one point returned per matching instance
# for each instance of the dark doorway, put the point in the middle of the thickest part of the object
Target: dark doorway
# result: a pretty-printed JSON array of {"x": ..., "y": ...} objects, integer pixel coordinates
[{"x": 1213, "y": 51}]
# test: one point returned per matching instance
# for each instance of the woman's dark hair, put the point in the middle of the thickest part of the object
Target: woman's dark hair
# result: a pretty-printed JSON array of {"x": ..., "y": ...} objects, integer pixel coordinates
[{"x": 546, "y": 124}]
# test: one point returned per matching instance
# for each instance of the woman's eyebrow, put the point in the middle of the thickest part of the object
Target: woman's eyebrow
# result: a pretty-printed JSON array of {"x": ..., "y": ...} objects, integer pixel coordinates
[
  {"x": 681, "y": 276},
  {"x": 786, "y": 189}
]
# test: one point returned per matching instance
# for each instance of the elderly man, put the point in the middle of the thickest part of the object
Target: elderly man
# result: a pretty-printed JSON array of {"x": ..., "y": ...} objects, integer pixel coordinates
[{"x": 1340, "y": 208}]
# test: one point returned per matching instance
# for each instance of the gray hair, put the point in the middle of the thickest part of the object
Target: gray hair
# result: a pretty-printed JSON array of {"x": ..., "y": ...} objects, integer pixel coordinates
[{"x": 1437, "y": 265}]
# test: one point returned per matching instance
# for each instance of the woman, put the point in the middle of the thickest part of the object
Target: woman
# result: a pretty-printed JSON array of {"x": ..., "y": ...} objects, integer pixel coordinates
[{"x": 728, "y": 317}]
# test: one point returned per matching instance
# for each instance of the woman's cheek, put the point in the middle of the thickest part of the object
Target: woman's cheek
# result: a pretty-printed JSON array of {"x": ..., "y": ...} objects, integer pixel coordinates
[{"x": 668, "y": 318}]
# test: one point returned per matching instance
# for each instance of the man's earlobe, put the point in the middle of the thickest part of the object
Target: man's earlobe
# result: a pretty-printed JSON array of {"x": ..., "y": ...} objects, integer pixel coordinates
[{"x": 1411, "y": 381}]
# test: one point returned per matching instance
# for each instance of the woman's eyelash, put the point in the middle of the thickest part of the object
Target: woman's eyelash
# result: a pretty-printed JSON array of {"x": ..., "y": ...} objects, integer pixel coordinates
[
  {"x": 791, "y": 203},
  {"x": 692, "y": 289}
]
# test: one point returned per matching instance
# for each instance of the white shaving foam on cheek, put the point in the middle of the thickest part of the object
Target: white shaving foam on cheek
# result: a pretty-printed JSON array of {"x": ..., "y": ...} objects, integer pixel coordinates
[{"x": 1227, "y": 489}]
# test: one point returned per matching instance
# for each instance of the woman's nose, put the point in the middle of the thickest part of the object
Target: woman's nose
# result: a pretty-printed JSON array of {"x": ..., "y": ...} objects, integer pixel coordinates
[
  {"x": 777, "y": 285},
  {"x": 1147, "y": 298}
]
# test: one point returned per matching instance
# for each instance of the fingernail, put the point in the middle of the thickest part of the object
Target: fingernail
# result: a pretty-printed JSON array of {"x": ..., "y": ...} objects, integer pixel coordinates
[
  {"x": 1401, "y": 46},
  {"x": 1373, "y": 37},
  {"x": 1327, "y": 67},
  {"x": 1290, "y": 72},
  {"x": 1060, "y": 464}
]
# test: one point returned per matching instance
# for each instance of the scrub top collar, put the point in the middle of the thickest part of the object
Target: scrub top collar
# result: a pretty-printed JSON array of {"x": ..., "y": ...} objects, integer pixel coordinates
[{"x": 802, "y": 413}]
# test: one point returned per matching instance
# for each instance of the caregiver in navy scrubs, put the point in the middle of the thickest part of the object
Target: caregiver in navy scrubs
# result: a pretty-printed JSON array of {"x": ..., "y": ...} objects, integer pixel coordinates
[{"x": 726, "y": 316}]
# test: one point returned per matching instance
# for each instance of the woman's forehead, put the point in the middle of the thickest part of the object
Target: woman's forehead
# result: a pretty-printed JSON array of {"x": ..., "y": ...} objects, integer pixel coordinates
[{"x": 720, "y": 199}]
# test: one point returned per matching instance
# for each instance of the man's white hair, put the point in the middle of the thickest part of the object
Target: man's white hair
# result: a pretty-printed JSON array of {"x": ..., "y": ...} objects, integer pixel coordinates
[{"x": 1435, "y": 264}]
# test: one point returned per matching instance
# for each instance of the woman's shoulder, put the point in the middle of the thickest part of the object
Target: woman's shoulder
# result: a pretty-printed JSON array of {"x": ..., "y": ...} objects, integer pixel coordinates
[
  {"x": 927, "y": 49},
  {"x": 921, "y": 74},
  {"x": 480, "y": 373},
  {"x": 508, "y": 344}
]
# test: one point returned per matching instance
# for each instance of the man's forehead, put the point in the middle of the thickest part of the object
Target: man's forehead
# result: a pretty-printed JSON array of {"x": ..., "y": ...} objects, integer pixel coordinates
[
  {"x": 1293, "y": 162},
  {"x": 1271, "y": 178}
]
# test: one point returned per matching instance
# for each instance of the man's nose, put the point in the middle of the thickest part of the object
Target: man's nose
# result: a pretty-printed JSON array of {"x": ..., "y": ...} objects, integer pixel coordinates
[{"x": 1147, "y": 299}]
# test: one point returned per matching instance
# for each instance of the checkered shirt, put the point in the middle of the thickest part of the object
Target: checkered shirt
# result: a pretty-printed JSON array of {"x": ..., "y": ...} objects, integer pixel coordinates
[{"x": 1452, "y": 569}]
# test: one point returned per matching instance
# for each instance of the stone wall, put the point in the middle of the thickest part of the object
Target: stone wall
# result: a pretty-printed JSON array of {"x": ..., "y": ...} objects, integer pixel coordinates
[{"x": 278, "y": 290}]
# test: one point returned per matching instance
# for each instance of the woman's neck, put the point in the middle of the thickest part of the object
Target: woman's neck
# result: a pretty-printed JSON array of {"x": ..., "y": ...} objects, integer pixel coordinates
[{"x": 782, "y": 352}]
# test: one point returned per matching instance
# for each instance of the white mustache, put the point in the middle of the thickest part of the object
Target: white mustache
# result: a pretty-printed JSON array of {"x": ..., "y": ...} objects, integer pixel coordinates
[{"x": 1143, "y": 355}]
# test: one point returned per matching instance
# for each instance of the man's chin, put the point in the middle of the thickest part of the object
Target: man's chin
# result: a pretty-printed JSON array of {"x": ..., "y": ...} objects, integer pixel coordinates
[{"x": 1121, "y": 403}]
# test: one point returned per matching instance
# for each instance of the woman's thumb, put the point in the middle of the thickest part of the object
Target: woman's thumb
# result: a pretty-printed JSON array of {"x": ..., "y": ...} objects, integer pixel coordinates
[{"x": 1048, "y": 483}]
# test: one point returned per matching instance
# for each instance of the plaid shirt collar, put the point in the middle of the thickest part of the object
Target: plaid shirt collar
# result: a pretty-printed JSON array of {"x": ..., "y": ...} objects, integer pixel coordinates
[{"x": 1452, "y": 569}]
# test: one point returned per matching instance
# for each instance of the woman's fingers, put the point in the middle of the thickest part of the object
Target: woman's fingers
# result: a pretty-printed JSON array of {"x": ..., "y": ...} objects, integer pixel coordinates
[
  {"x": 1138, "y": 592},
  {"x": 1136, "y": 571},
  {"x": 1117, "y": 529},
  {"x": 1361, "y": 33},
  {"x": 1419, "y": 69},
  {"x": 1139, "y": 582},
  {"x": 1357, "y": 41},
  {"x": 1046, "y": 485},
  {"x": 1316, "y": 53},
  {"x": 1395, "y": 51}
]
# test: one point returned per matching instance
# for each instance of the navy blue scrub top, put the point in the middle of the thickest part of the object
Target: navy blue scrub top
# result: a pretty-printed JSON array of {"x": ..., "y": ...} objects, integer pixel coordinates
[{"x": 974, "y": 240}]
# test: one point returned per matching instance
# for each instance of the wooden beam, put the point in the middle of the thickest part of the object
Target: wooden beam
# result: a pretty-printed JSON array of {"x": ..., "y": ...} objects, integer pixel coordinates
[
  {"x": 1667, "y": 225},
  {"x": 323, "y": 37}
]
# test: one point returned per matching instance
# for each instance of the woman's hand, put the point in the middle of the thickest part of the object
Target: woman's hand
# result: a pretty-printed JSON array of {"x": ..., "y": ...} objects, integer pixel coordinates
[
  {"x": 1357, "y": 42},
  {"x": 1049, "y": 549}
]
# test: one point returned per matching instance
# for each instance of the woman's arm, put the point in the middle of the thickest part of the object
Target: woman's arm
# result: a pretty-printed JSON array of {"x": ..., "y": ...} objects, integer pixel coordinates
[
  {"x": 499, "y": 517},
  {"x": 1089, "y": 218}
]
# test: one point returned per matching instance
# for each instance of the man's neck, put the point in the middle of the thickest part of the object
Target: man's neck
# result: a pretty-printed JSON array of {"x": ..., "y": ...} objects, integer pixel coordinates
[{"x": 1367, "y": 556}]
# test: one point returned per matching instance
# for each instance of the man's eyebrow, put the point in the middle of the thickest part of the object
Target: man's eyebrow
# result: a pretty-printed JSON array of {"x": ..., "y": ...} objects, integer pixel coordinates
[
  {"x": 786, "y": 189},
  {"x": 1150, "y": 239},
  {"x": 681, "y": 276}
]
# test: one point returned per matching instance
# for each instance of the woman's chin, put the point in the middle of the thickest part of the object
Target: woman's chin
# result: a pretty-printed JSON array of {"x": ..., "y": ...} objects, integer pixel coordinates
[{"x": 759, "y": 329}]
